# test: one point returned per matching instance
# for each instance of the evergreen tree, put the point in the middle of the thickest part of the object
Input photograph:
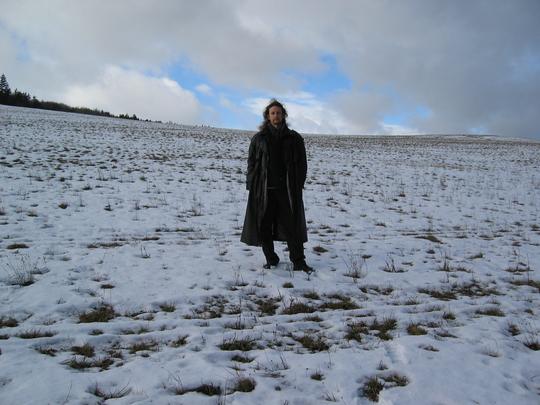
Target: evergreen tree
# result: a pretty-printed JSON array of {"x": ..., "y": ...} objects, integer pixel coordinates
[{"x": 5, "y": 91}]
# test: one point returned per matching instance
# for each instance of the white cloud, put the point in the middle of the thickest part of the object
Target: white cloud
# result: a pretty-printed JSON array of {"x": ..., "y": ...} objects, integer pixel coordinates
[
  {"x": 394, "y": 129},
  {"x": 8, "y": 53},
  {"x": 306, "y": 114},
  {"x": 125, "y": 91},
  {"x": 205, "y": 89},
  {"x": 226, "y": 103}
]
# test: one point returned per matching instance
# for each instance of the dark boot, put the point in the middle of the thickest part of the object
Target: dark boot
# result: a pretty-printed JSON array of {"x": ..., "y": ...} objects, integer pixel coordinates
[
  {"x": 303, "y": 266},
  {"x": 272, "y": 261}
]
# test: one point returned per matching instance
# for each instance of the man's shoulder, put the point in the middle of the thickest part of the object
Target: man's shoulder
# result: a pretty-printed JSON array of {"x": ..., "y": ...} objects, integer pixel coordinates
[
  {"x": 296, "y": 135},
  {"x": 257, "y": 135},
  {"x": 260, "y": 134}
]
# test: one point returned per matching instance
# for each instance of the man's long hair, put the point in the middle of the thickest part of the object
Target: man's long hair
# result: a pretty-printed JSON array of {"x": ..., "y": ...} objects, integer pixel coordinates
[{"x": 273, "y": 103}]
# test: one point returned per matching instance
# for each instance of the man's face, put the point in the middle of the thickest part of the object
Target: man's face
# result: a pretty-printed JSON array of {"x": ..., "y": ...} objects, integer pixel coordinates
[{"x": 275, "y": 115}]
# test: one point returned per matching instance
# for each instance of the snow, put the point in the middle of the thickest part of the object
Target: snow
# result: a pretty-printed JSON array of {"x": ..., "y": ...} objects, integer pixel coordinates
[{"x": 145, "y": 218}]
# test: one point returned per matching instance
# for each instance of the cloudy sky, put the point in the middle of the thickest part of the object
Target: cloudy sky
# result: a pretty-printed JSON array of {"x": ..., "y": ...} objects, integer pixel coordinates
[{"x": 352, "y": 67}]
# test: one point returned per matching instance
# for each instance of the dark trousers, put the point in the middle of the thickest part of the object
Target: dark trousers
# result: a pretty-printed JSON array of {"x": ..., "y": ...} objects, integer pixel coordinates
[{"x": 278, "y": 211}]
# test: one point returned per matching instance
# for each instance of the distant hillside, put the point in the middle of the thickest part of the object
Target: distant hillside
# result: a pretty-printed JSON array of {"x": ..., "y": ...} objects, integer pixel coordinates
[{"x": 23, "y": 99}]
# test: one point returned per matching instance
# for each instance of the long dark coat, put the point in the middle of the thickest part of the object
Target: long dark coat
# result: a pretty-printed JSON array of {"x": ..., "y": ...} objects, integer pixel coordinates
[{"x": 294, "y": 157}]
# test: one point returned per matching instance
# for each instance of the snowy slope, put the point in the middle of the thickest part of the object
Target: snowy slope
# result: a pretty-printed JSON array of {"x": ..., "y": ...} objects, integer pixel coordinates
[{"x": 122, "y": 274}]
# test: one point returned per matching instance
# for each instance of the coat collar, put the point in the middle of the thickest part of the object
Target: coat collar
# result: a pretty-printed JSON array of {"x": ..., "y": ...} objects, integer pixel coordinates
[{"x": 267, "y": 131}]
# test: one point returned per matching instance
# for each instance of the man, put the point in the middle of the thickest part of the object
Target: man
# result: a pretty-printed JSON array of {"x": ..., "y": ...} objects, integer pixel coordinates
[{"x": 276, "y": 174}]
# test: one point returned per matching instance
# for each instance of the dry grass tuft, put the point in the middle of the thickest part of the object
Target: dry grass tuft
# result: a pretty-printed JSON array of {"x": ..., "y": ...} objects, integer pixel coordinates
[
  {"x": 356, "y": 330},
  {"x": 244, "y": 384},
  {"x": 316, "y": 343},
  {"x": 243, "y": 344},
  {"x": 85, "y": 350},
  {"x": 372, "y": 388},
  {"x": 179, "y": 341},
  {"x": 298, "y": 308},
  {"x": 492, "y": 311},
  {"x": 111, "y": 394},
  {"x": 416, "y": 329},
  {"x": 35, "y": 334},
  {"x": 103, "y": 313},
  {"x": 8, "y": 322}
]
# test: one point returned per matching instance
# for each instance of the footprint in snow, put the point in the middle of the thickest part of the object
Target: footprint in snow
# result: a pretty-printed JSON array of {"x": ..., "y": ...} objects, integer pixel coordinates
[{"x": 396, "y": 352}]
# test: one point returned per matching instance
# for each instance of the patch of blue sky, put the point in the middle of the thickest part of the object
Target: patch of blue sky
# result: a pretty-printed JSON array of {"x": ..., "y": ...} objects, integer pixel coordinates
[
  {"x": 480, "y": 130},
  {"x": 182, "y": 72},
  {"x": 404, "y": 115},
  {"x": 401, "y": 110},
  {"x": 233, "y": 112},
  {"x": 23, "y": 53},
  {"x": 227, "y": 103},
  {"x": 526, "y": 66},
  {"x": 223, "y": 102},
  {"x": 325, "y": 83}
]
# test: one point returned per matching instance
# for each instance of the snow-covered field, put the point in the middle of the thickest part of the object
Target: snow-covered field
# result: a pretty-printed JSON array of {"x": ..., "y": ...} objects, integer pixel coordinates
[{"x": 122, "y": 275}]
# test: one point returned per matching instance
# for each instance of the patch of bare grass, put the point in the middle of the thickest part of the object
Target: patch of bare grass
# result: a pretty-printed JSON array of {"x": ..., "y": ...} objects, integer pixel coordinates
[
  {"x": 23, "y": 271},
  {"x": 374, "y": 385},
  {"x": 416, "y": 329},
  {"x": 372, "y": 388},
  {"x": 355, "y": 265},
  {"x": 319, "y": 249},
  {"x": 447, "y": 267},
  {"x": 445, "y": 333},
  {"x": 295, "y": 307},
  {"x": 242, "y": 358},
  {"x": 513, "y": 329},
  {"x": 208, "y": 389},
  {"x": 449, "y": 316},
  {"x": 214, "y": 307},
  {"x": 244, "y": 344},
  {"x": 14, "y": 246},
  {"x": 384, "y": 327},
  {"x": 47, "y": 350},
  {"x": 8, "y": 322},
  {"x": 267, "y": 305},
  {"x": 244, "y": 384},
  {"x": 339, "y": 301},
  {"x": 85, "y": 350},
  {"x": 440, "y": 294},
  {"x": 356, "y": 331},
  {"x": 144, "y": 346},
  {"x": 314, "y": 343},
  {"x": 527, "y": 282},
  {"x": 429, "y": 348},
  {"x": 394, "y": 379},
  {"x": 474, "y": 289},
  {"x": 135, "y": 331},
  {"x": 102, "y": 313},
  {"x": 106, "y": 245},
  {"x": 430, "y": 237},
  {"x": 35, "y": 334},
  {"x": 311, "y": 295},
  {"x": 83, "y": 363},
  {"x": 367, "y": 289},
  {"x": 179, "y": 341},
  {"x": 391, "y": 267},
  {"x": 109, "y": 394},
  {"x": 532, "y": 342},
  {"x": 491, "y": 311},
  {"x": 288, "y": 284}
]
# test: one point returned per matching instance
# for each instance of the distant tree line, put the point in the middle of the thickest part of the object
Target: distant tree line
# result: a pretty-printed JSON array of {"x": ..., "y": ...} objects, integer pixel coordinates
[{"x": 23, "y": 99}]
